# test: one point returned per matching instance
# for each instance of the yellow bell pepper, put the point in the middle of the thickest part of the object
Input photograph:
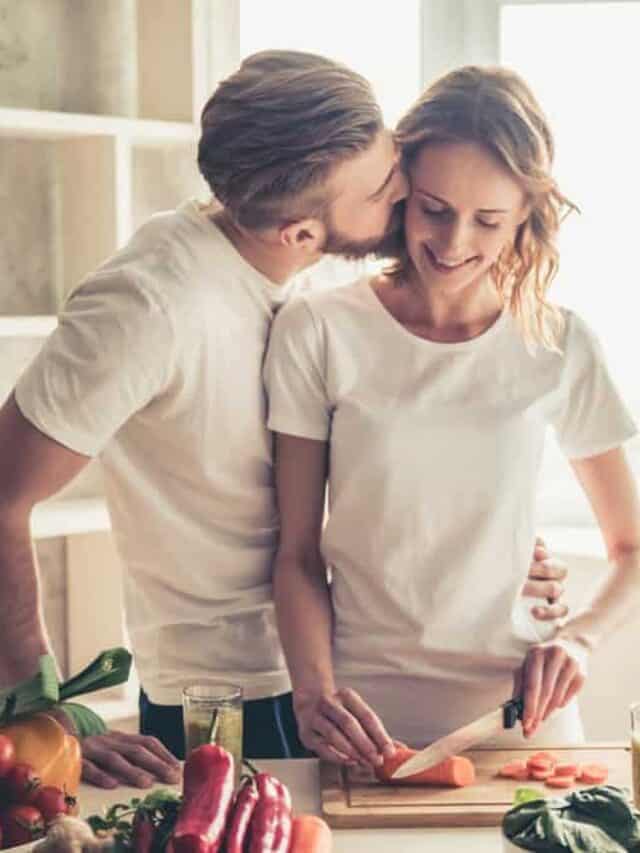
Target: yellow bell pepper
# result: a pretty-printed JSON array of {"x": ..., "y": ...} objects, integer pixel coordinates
[{"x": 42, "y": 742}]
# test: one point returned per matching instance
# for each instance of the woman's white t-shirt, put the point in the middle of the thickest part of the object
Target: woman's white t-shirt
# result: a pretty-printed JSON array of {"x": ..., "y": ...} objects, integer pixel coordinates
[{"x": 434, "y": 454}]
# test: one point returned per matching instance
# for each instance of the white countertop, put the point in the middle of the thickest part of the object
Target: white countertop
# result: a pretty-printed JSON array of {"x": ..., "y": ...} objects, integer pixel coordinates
[{"x": 301, "y": 776}]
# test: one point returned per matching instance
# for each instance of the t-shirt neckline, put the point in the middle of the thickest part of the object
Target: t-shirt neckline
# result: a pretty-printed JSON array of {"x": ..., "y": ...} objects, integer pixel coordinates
[
  {"x": 440, "y": 346},
  {"x": 277, "y": 293}
]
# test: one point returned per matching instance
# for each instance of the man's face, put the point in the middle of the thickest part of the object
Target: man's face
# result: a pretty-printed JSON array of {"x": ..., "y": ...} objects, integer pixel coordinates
[{"x": 366, "y": 190}]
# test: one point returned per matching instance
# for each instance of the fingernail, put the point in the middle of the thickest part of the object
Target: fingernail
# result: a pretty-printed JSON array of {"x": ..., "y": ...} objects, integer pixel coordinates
[
  {"x": 389, "y": 750},
  {"x": 145, "y": 781}
]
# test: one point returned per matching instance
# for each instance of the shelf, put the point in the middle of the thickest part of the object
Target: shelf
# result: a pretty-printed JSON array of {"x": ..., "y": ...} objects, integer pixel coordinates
[
  {"x": 68, "y": 517},
  {"x": 39, "y": 124}
]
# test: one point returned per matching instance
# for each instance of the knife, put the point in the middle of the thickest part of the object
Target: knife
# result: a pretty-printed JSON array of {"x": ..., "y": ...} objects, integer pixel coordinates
[{"x": 504, "y": 717}]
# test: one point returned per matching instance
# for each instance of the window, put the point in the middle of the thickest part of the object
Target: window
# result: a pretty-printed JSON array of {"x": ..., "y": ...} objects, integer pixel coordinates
[
  {"x": 380, "y": 41},
  {"x": 582, "y": 62}
]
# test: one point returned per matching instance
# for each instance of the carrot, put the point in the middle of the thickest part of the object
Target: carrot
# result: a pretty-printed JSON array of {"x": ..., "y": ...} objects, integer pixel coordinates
[
  {"x": 548, "y": 757},
  {"x": 541, "y": 775},
  {"x": 310, "y": 834},
  {"x": 594, "y": 774},
  {"x": 454, "y": 772},
  {"x": 567, "y": 770},
  {"x": 559, "y": 781},
  {"x": 513, "y": 770}
]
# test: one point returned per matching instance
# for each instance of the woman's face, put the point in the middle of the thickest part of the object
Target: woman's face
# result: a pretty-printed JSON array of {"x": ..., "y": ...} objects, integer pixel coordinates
[{"x": 463, "y": 209}]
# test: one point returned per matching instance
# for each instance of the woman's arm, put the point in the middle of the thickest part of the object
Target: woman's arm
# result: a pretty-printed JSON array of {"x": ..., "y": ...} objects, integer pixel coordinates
[
  {"x": 552, "y": 676},
  {"x": 336, "y": 724}
]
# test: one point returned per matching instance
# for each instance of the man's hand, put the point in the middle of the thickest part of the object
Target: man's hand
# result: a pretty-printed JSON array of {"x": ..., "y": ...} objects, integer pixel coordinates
[
  {"x": 546, "y": 575},
  {"x": 117, "y": 758},
  {"x": 341, "y": 727},
  {"x": 549, "y": 678}
]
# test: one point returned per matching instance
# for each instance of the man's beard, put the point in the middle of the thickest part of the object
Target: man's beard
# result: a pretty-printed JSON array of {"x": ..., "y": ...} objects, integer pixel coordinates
[{"x": 382, "y": 246}]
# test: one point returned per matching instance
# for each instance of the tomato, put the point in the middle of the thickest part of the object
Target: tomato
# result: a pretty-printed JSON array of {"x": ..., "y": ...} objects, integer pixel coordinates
[
  {"x": 20, "y": 783},
  {"x": 21, "y": 824},
  {"x": 7, "y": 755},
  {"x": 50, "y": 801}
]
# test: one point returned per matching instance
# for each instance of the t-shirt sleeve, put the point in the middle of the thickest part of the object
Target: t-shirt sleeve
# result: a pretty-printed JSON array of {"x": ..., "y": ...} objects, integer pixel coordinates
[
  {"x": 589, "y": 416},
  {"x": 107, "y": 359},
  {"x": 294, "y": 375}
]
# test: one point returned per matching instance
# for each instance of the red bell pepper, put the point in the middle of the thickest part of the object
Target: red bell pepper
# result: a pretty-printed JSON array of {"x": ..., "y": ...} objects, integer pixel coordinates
[
  {"x": 207, "y": 793},
  {"x": 243, "y": 808},
  {"x": 270, "y": 828}
]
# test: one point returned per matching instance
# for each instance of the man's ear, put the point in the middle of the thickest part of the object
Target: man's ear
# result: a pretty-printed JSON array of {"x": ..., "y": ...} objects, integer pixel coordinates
[{"x": 306, "y": 235}]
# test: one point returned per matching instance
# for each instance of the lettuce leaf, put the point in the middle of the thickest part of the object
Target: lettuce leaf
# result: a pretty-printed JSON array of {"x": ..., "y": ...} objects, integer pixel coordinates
[{"x": 593, "y": 820}]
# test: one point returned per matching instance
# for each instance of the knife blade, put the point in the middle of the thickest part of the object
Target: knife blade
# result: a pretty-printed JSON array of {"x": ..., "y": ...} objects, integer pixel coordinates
[{"x": 504, "y": 717}]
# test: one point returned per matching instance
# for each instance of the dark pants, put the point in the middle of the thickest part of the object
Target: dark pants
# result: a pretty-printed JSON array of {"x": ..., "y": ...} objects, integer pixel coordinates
[{"x": 269, "y": 727}]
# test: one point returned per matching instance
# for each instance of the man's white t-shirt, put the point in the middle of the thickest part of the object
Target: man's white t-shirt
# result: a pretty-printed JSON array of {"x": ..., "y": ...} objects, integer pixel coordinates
[
  {"x": 156, "y": 367},
  {"x": 434, "y": 454}
]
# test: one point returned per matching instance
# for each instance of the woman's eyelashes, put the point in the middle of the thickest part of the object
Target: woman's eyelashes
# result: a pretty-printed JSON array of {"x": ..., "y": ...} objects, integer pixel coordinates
[{"x": 446, "y": 213}]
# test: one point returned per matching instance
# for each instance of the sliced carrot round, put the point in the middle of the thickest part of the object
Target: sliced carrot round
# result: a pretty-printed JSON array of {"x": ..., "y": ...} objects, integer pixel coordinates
[
  {"x": 512, "y": 768},
  {"x": 541, "y": 775},
  {"x": 539, "y": 764},
  {"x": 594, "y": 774},
  {"x": 521, "y": 775},
  {"x": 567, "y": 770},
  {"x": 559, "y": 781},
  {"x": 539, "y": 757}
]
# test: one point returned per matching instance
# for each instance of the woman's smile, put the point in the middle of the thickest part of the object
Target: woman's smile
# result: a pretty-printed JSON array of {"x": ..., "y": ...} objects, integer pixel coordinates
[{"x": 447, "y": 266}]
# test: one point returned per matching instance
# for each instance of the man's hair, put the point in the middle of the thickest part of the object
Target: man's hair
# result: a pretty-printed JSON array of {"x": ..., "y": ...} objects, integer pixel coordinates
[{"x": 273, "y": 131}]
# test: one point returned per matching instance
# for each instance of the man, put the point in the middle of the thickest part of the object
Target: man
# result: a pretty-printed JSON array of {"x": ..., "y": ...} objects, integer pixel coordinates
[{"x": 156, "y": 367}]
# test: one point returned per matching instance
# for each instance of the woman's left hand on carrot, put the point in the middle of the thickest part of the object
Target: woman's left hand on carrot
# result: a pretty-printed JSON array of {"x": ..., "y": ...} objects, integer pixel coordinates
[{"x": 551, "y": 675}]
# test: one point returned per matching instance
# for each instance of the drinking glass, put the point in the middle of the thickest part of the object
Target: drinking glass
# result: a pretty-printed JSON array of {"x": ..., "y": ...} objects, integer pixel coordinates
[
  {"x": 635, "y": 751},
  {"x": 213, "y": 714}
]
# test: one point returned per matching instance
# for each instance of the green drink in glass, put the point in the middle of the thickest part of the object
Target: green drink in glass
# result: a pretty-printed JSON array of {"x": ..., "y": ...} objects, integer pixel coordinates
[{"x": 213, "y": 714}]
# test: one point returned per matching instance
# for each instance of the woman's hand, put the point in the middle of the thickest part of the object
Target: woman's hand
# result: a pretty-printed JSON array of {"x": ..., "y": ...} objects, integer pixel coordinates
[
  {"x": 340, "y": 727},
  {"x": 545, "y": 580},
  {"x": 551, "y": 675}
]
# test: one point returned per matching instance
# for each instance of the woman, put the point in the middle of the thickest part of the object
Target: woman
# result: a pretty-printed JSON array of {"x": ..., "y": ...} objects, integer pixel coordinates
[{"x": 423, "y": 394}]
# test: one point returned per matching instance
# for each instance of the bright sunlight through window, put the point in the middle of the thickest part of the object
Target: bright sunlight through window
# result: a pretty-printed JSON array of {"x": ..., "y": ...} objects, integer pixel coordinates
[
  {"x": 379, "y": 40},
  {"x": 582, "y": 62}
]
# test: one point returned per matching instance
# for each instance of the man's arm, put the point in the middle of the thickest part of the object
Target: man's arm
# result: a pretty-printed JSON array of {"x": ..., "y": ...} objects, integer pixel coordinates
[{"x": 32, "y": 467}]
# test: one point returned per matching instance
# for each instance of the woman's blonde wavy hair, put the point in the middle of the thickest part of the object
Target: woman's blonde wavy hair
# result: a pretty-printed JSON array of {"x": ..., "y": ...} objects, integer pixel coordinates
[{"x": 494, "y": 108}]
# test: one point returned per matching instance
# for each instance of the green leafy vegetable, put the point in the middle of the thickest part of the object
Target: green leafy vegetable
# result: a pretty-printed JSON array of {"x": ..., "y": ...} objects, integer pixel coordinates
[
  {"x": 161, "y": 806},
  {"x": 593, "y": 820},
  {"x": 35, "y": 694},
  {"x": 526, "y": 795}
]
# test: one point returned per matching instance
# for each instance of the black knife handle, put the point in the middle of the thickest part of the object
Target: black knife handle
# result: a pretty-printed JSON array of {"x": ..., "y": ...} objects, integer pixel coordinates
[{"x": 512, "y": 712}]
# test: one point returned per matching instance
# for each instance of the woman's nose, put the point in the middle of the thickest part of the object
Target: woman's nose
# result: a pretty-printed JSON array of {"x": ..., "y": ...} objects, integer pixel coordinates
[{"x": 453, "y": 239}]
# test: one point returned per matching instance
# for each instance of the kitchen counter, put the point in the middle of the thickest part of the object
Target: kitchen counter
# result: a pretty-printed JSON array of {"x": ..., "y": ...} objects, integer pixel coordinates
[{"x": 302, "y": 778}]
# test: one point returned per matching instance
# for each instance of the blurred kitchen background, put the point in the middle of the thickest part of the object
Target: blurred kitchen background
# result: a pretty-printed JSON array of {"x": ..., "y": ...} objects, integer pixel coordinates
[{"x": 99, "y": 103}]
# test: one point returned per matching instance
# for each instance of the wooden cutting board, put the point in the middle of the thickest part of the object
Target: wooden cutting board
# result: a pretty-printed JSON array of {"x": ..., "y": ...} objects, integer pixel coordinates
[{"x": 354, "y": 798}]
